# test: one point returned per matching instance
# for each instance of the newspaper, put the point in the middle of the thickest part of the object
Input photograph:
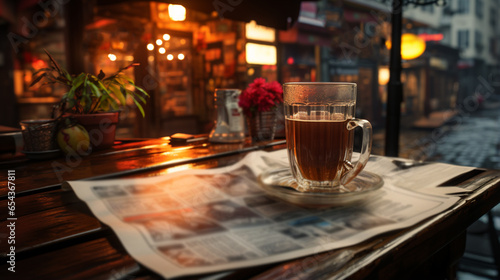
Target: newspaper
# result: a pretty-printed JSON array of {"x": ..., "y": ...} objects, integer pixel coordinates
[{"x": 203, "y": 221}]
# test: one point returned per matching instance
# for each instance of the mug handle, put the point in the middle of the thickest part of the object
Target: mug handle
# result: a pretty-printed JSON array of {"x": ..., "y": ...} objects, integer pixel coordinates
[{"x": 366, "y": 147}]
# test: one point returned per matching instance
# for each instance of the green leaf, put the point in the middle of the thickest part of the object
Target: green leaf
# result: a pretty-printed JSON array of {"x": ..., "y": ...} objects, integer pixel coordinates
[
  {"x": 126, "y": 79},
  {"x": 104, "y": 105},
  {"x": 122, "y": 96},
  {"x": 87, "y": 104},
  {"x": 103, "y": 87},
  {"x": 141, "y": 90},
  {"x": 138, "y": 96},
  {"x": 71, "y": 93},
  {"x": 66, "y": 75},
  {"x": 78, "y": 81},
  {"x": 139, "y": 106},
  {"x": 95, "y": 90},
  {"x": 113, "y": 103}
]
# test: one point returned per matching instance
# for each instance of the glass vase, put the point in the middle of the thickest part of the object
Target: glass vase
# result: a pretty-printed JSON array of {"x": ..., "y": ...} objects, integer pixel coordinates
[{"x": 262, "y": 126}]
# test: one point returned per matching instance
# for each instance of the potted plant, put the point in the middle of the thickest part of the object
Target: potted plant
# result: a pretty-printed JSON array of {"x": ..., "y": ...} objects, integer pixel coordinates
[
  {"x": 260, "y": 101},
  {"x": 92, "y": 100}
]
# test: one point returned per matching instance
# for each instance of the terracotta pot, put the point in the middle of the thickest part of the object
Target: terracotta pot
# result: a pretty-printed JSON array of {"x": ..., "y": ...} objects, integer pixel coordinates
[{"x": 101, "y": 128}]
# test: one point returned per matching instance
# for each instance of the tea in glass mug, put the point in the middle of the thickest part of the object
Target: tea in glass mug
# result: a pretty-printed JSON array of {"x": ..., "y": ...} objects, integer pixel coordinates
[{"x": 319, "y": 124}]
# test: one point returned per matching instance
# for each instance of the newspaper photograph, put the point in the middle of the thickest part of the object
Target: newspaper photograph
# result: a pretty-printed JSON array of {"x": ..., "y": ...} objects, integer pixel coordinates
[{"x": 209, "y": 220}]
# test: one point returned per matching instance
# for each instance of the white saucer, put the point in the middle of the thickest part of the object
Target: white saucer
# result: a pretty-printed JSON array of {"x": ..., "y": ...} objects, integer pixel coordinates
[{"x": 278, "y": 183}]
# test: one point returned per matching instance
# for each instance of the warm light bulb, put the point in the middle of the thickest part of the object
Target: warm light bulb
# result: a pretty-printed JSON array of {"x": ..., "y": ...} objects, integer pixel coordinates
[
  {"x": 170, "y": 56},
  {"x": 181, "y": 56},
  {"x": 412, "y": 46},
  {"x": 112, "y": 57},
  {"x": 166, "y": 37},
  {"x": 177, "y": 12},
  {"x": 151, "y": 47},
  {"x": 159, "y": 42},
  {"x": 383, "y": 76},
  {"x": 162, "y": 50}
]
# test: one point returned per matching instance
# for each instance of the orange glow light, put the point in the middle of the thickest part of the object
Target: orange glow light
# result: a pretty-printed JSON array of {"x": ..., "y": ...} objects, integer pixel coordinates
[
  {"x": 412, "y": 46},
  {"x": 112, "y": 57},
  {"x": 383, "y": 76}
]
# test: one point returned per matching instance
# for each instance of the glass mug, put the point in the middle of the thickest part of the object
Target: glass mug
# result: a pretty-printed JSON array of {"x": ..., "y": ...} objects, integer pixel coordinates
[{"x": 319, "y": 124}]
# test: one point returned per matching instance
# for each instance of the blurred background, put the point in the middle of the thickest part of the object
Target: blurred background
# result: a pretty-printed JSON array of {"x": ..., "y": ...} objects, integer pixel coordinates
[
  {"x": 450, "y": 69},
  {"x": 450, "y": 54}
]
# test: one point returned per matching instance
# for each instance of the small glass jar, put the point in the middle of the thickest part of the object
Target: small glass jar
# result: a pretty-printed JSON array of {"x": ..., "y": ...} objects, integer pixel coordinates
[{"x": 230, "y": 123}]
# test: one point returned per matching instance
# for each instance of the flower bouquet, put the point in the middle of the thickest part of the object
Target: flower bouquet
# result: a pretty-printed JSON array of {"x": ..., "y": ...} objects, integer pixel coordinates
[
  {"x": 259, "y": 103},
  {"x": 260, "y": 96}
]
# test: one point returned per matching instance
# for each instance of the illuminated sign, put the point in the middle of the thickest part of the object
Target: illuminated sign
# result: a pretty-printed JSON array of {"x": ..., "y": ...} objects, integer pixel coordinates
[
  {"x": 260, "y": 54},
  {"x": 177, "y": 12},
  {"x": 431, "y": 37},
  {"x": 259, "y": 32}
]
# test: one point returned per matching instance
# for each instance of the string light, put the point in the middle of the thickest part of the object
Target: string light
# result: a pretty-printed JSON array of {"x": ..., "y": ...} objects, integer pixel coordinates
[
  {"x": 151, "y": 47},
  {"x": 112, "y": 57},
  {"x": 181, "y": 56}
]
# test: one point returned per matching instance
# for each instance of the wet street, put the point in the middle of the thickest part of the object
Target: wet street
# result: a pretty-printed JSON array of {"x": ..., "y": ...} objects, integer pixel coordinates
[{"x": 469, "y": 140}]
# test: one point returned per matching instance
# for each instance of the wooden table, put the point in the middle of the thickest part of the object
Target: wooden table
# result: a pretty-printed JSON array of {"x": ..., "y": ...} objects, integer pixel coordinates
[{"x": 57, "y": 237}]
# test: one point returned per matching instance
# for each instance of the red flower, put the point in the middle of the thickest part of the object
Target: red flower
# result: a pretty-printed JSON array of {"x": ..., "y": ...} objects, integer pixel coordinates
[{"x": 260, "y": 96}]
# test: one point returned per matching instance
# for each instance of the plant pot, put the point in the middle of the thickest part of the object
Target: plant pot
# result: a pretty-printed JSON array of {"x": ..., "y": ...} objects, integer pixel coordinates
[
  {"x": 262, "y": 126},
  {"x": 101, "y": 128}
]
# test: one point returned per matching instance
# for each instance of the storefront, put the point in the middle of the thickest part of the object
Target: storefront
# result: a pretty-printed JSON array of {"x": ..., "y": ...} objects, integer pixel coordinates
[{"x": 184, "y": 54}]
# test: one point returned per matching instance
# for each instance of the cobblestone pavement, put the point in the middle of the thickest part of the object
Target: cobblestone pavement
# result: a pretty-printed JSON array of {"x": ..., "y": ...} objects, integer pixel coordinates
[
  {"x": 473, "y": 142},
  {"x": 470, "y": 140}
]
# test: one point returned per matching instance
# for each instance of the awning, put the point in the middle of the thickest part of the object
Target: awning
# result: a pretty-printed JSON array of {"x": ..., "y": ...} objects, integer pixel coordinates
[{"x": 277, "y": 14}]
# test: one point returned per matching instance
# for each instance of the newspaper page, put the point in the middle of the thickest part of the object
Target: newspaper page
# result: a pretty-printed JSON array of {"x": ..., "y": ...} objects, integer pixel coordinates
[{"x": 202, "y": 221}]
